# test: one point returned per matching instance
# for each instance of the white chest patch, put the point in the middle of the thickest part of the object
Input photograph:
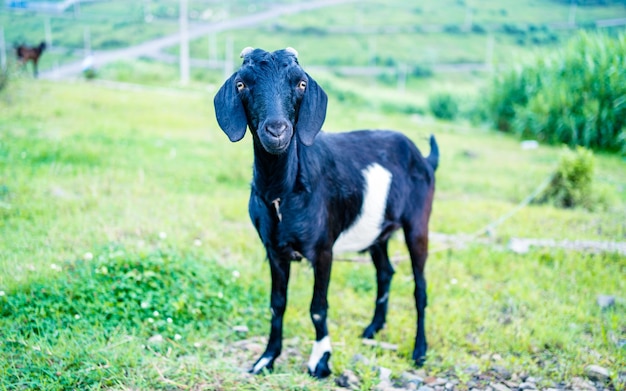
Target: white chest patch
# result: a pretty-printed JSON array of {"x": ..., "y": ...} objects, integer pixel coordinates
[{"x": 368, "y": 226}]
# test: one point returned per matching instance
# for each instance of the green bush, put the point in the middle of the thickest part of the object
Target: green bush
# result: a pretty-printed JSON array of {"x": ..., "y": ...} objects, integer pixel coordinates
[
  {"x": 576, "y": 96},
  {"x": 444, "y": 106},
  {"x": 571, "y": 185}
]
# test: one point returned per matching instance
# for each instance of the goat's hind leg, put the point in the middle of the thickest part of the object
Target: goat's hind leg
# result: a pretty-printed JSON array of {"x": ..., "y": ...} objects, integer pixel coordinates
[
  {"x": 416, "y": 237},
  {"x": 384, "y": 273},
  {"x": 280, "y": 270}
]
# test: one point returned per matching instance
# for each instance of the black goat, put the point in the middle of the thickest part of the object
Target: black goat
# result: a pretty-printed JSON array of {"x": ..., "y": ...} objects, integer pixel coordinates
[
  {"x": 314, "y": 193},
  {"x": 27, "y": 53}
]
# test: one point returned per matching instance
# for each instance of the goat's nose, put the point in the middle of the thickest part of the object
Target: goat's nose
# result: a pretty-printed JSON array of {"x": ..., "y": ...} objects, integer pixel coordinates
[{"x": 276, "y": 127}]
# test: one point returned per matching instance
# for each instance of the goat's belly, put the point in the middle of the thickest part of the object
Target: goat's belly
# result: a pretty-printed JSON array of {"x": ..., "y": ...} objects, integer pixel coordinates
[{"x": 368, "y": 226}]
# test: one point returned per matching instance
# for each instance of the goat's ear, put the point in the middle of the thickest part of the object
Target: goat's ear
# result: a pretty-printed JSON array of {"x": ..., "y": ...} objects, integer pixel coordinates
[
  {"x": 229, "y": 111},
  {"x": 312, "y": 112}
]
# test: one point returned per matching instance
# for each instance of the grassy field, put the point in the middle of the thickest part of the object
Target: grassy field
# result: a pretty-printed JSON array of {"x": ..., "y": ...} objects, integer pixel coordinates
[{"x": 127, "y": 257}]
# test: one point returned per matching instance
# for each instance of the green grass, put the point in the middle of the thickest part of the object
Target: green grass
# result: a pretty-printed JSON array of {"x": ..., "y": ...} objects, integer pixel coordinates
[{"x": 143, "y": 184}]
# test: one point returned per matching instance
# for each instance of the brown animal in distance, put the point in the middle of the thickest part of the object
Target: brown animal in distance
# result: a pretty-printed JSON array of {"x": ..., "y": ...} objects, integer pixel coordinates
[{"x": 27, "y": 53}]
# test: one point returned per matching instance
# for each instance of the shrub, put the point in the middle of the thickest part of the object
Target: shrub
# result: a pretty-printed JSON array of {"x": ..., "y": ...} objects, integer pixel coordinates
[
  {"x": 444, "y": 106},
  {"x": 576, "y": 96},
  {"x": 571, "y": 185}
]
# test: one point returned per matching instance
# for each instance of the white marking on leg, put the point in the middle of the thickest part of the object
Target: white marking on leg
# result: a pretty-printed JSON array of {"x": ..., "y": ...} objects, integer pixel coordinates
[
  {"x": 261, "y": 364},
  {"x": 383, "y": 299},
  {"x": 319, "y": 348},
  {"x": 368, "y": 226}
]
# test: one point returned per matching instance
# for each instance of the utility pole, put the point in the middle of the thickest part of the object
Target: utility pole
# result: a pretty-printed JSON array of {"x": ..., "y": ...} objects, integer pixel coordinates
[
  {"x": 184, "y": 43},
  {"x": 48, "y": 31},
  {"x": 87, "y": 40},
  {"x": 572, "y": 13}
]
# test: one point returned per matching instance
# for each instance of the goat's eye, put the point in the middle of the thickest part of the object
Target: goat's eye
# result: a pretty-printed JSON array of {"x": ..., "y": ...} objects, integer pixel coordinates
[
  {"x": 302, "y": 85},
  {"x": 240, "y": 86}
]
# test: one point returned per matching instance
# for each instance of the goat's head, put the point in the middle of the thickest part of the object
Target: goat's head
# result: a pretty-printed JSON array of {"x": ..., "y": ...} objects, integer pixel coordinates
[{"x": 273, "y": 96}]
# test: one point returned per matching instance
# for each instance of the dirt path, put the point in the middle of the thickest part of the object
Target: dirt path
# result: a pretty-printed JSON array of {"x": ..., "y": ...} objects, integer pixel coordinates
[{"x": 156, "y": 45}]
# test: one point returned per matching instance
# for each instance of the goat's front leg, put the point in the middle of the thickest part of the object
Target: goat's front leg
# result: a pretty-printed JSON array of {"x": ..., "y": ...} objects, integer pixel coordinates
[
  {"x": 280, "y": 278},
  {"x": 320, "y": 355}
]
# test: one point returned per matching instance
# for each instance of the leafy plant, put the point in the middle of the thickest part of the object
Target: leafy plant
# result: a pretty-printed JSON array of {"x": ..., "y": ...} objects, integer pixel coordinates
[
  {"x": 576, "y": 97},
  {"x": 444, "y": 106},
  {"x": 571, "y": 185}
]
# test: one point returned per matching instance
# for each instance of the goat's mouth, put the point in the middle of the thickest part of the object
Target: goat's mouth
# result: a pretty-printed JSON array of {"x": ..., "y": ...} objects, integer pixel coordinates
[
  {"x": 277, "y": 146},
  {"x": 276, "y": 139}
]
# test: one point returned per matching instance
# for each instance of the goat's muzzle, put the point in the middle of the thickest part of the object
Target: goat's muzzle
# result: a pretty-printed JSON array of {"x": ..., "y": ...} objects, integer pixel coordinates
[{"x": 275, "y": 135}]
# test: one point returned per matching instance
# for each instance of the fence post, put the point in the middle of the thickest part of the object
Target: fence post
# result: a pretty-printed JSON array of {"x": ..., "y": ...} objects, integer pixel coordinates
[
  {"x": 48, "y": 31},
  {"x": 3, "y": 50},
  {"x": 228, "y": 58},
  {"x": 184, "y": 43}
]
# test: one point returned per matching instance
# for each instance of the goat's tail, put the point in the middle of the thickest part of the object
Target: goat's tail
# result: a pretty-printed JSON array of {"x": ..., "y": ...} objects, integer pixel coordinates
[{"x": 433, "y": 157}]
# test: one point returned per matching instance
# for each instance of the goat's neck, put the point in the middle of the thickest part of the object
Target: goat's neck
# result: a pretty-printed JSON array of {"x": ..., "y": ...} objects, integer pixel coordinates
[{"x": 275, "y": 175}]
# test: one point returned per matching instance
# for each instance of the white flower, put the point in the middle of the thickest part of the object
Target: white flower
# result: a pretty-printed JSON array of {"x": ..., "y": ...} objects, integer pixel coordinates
[
  {"x": 56, "y": 267},
  {"x": 169, "y": 320},
  {"x": 88, "y": 256},
  {"x": 145, "y": 304},
  {"x": 454, "y": 281},
  {"x": 197, "y": 243},
  {"x": 235, "y": 273},
  {"x": 178, "y": 337},
  {"x": 155, "y": 314},
  {"x": 2, "y": 293},
  {"x": 150, "y": 320},
  {"x": 220, "y": 295},
  {"x": 162, "y": 235}
]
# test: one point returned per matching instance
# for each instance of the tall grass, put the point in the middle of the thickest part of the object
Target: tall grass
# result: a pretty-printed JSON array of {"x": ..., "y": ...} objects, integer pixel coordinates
[{"x": 576, "y": 96}]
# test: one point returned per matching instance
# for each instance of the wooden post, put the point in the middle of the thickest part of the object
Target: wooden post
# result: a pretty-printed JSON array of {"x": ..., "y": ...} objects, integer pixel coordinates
[
  {"x": 3, "y": 50},
  {"x": 48, "y": 31},
  {"x": 87, "y": 40},
  {"x": 184, "y": 43},
  {"x": 212, "y": 50},
  {"x": 489, "y": 54},
  {"x": 572, "y": 13},
  {"x": 228, "y": 58}
]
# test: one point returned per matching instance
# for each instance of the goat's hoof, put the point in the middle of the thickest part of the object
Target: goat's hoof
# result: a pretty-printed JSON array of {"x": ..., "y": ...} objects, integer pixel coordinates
[
  {"x": 264, "y": 363},
  {"x": 419, "y": 357},
  {"x": 322, "y": 370},
  {"x": 371, "y": 330}
]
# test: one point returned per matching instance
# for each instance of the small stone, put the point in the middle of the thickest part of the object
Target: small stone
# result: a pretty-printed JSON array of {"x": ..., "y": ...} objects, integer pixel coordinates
[
  {"x": 411, "y": 378},
  {"x": 348, "y": 379},
  {"x": 435, "y": 381},
  {"x": 596, "y": 372},
  {"x": 158, "y": 338},
  {"x": 605, "y": 301},
  {"x": 384, "y": 385},
  {"x": 385, "y": 373},
  {"x": 499, "y": 387},
  {"x": 471, "y": 369},
  {"x": 425, "y": 388},
  {"x": 449, "y": 386},
  {"x": 581, "y": 384},
  {"x": 527, "y": 386},
  {"x": 240, "y": 329},
  {"x": 502, "y": 372},
  {"x": 531, "y": 379},
  {"x": 359, "y": 358}
]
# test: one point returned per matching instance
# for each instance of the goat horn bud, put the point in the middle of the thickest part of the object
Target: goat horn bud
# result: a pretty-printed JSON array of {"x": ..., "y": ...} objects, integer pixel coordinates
[
  {"x": 292, "y": 51},
  {"x": 246, "y": 51}
]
